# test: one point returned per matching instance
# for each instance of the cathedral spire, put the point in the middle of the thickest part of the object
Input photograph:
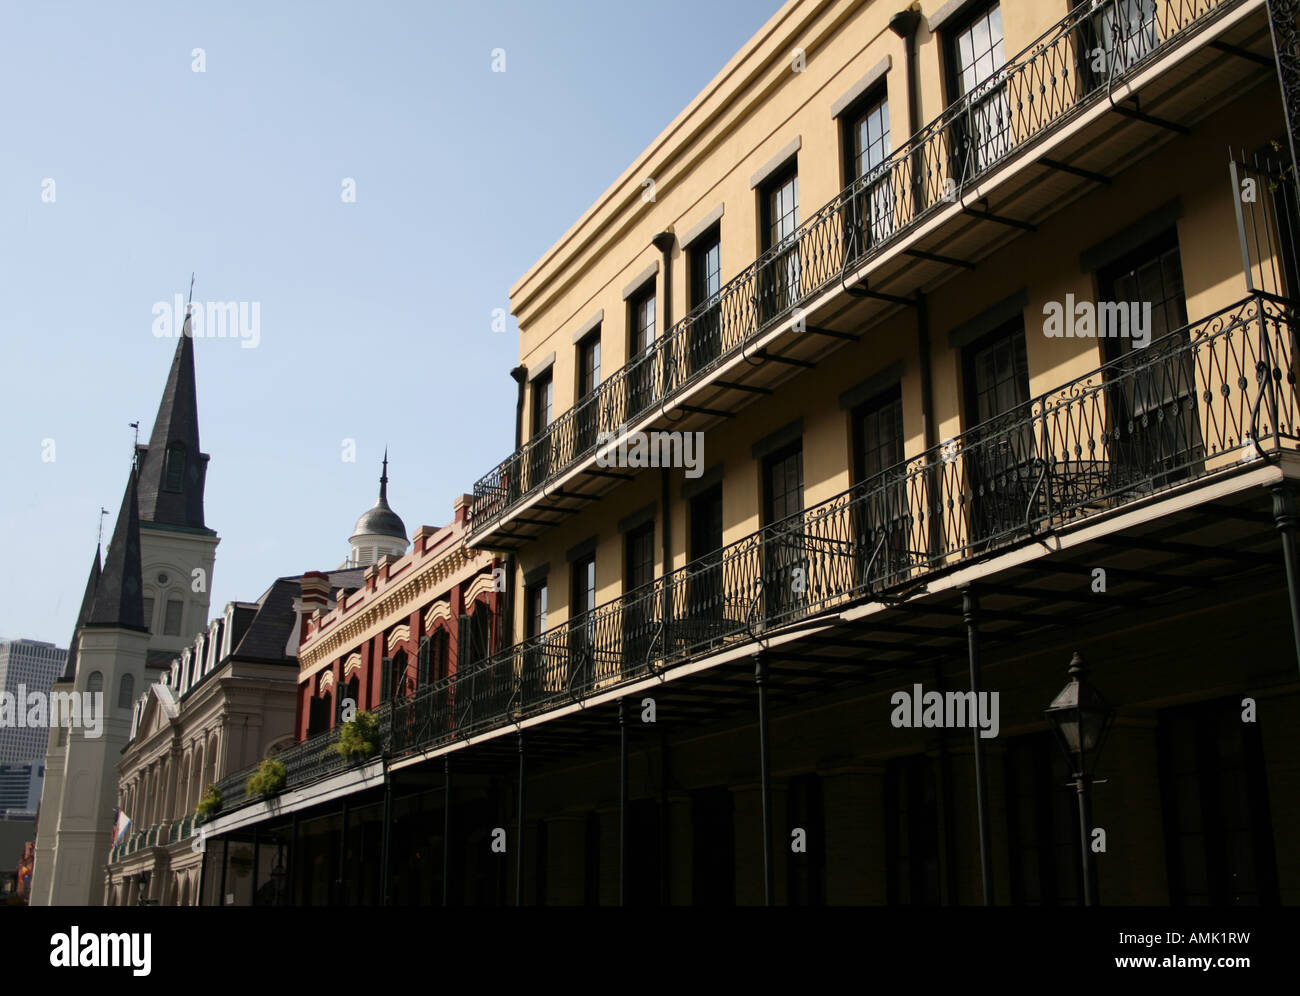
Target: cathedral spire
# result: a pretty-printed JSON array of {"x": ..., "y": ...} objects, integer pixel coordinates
[
  {"x": 383, "y": 480},
  {"x": 87, "y": 600},
  {"x": 173, "y": 469},
  {"x": 119, "y": 595}
]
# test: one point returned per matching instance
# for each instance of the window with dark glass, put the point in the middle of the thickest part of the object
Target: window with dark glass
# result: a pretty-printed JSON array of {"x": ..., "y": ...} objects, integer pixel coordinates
[
  {"x": 706, "y": 597},
  {"x": 785, "y": 563},
  {"x": 535, "y": 616},
  {"x": 148, "y": 612},
  {"x": 882, "y": 512},
  {"x": 705, "y": 255},
  {"x": 999, "y": 453},
  {"x": 582, "y": 599},
  {"x": 535, "y": 661},
  {"x": 588, "y": 380},
  {"x": 1151, "y": 391},
  {"x": 641, "y": 372},
  {"x": 976, "y": 57},
  {"x": 866, "y": 147},
  {"x": 1042, "y": 824},
  {"x": 126, "y": 691},
  {"x": 539, "y": 455},
  {"x": 640, "y": 609},
  {"x": 439, "y": 656},
  {"x": 1115, "y": 38},
  {"x": 1219, "y": 843},
  {"x": 911, "y": 832},
  {"x": 174, "y": 474},
  {"x": 779, "y": 287}
]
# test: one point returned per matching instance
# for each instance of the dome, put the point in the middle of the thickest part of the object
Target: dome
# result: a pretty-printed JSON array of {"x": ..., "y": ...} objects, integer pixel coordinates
[{"x": 380, "y": 520}]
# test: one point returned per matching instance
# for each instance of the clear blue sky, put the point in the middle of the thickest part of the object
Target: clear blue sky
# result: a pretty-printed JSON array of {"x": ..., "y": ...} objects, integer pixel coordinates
[{"x": 464, "y": 177}]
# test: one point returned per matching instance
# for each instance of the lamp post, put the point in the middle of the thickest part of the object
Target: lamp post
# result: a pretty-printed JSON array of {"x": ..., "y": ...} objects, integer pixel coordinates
[{"x": 1080, "y": 717}]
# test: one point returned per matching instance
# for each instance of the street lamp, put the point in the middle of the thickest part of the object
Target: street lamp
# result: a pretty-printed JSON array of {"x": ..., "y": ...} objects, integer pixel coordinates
[{"x": 1080, "y": 717}]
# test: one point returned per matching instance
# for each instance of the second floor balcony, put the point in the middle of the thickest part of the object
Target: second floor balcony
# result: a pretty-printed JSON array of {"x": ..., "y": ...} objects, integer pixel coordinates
[{"x": 1201, "y": 404}]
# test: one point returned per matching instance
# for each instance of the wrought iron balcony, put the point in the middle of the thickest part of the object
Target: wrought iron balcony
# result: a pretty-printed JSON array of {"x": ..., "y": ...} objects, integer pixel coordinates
[
  {"x": 1194, "y": 403},
  {"x": 1068, "y": 68},
  {"x": 306, "y": 762}
]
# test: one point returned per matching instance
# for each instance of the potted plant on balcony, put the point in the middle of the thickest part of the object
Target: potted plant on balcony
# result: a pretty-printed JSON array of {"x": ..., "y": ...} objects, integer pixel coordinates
[
  {"x": 268, "y": 779},
  {"x": 209, "y": 805},
  {"x": 358, "y": 737}
]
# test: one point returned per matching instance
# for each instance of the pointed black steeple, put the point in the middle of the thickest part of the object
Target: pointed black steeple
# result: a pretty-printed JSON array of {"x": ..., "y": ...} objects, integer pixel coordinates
[
  {"x": 87, "y": 600},
  {"x": 172, "y": 471},
  {"x": 380, "y": 519},
  {"x": 119, "y": 595}
]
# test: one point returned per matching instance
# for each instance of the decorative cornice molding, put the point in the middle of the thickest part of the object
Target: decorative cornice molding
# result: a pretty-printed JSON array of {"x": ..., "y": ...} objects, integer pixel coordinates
[{"x": 394, "y": 603}]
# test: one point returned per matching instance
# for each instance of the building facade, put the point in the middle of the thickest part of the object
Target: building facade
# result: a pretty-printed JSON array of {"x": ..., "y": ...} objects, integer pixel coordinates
[
  {"x": 26, "y": 667},
  {"x": 141, "y": 607},
  {"x": 227, "y": 702},
  {"x": 952, "y": 362}
]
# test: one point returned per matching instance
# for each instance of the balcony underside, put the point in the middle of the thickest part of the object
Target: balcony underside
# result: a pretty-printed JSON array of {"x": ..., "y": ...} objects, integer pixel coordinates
[{"x": 1201, "y": 71}]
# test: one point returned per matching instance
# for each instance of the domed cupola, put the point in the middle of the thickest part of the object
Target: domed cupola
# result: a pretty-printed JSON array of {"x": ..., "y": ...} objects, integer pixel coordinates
[{"x": 380, "y": 530}]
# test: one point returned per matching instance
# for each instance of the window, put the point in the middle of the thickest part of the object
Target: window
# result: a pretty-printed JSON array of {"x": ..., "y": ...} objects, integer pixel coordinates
[
  {"x": 785, "y": 575},
  {"x": 588, "y": 413},
  {"x": 882, "y": 515},
  {"x": 535, "y": 661},
  {"x": 982, "y": 129},
  {"x": 174, "y": 473},
  {"x": 705, "y": 260},
  {"x": 1214, "y": 786},
  {"x": 95, "y": 682},
  {"x": 866, "y": 147},
  {"x": 126, "y": 691},
  {"x": 999, "y": 456},
  {"x": 640, "y": 613},
  {"x": 779, "y": 287},
  {"x": 807, "y": 868},
  {"x": 1042, "y": 824},
  {"x": 582, "y": 600},
  {"x": 148, "y": 612},
  {"x": 706, "y": 609},
  {"x": 713, "y": 864},
  {"x": 911, "y": 832},
  {"x": 172, "y": 620},
  {"x": 539, "y": 454},
  {"x": 641, "y": 372},
  {"x": 1151, "y": 392},
  {"x": 439, "y": 654},
  {"x": 1115, "y": 38}
]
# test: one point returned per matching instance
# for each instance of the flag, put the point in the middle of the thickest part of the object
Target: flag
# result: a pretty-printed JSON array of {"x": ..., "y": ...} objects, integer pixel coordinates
[{"x": 120, "y": 824}]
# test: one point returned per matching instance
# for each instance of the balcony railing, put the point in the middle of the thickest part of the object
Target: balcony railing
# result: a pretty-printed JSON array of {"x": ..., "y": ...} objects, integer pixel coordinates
[
  {"x": 1067, "y": 68},
  {"x": 1197, "y": 402}
]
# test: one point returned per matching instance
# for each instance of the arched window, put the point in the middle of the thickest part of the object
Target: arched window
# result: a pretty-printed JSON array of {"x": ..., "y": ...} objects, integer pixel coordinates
[
  {"x": 174, "y": 473},
  {"x": 95, "y": 682},
  {"x": 126, "y": 691}
]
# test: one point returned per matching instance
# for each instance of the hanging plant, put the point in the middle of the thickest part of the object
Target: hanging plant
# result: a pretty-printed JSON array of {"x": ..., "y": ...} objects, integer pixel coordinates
[
  {"x": 358, "y": 737},
  {"x": 209, "y": 805},
  {"x": 268, "y": 779}
]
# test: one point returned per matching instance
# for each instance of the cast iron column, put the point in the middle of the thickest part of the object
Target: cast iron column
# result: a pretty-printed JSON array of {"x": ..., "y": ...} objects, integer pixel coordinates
[
  {"x": 446, "y": 824},
  {"x": 519, "y": 845},
  {"x": 765, "y": 779},
  {"x": 622, "y": 802},
  {"x": 340, "y": 883},
  {"x": 385, "y": 852},
  {"x": 970, "y": 607},
  {"x": 1284, "y": 515},
  {"x": 1286, "y": 53}
]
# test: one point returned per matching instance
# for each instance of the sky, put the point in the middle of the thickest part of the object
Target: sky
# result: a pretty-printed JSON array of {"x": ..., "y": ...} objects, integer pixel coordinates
[{"x": 123, "y": 170}]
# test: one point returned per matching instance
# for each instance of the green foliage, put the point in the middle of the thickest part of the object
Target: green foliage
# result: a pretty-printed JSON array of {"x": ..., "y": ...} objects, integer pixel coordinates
[
  {"x": 359, "y": 737},
  {"x": 209, "y": 805},
  {"x": 268, "y": 779}
]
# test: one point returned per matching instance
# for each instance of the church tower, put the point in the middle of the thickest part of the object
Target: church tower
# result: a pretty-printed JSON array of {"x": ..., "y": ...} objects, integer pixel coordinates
[
  {"x": 138, "y": 613},
  {"x": 379, "y": 531}
]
